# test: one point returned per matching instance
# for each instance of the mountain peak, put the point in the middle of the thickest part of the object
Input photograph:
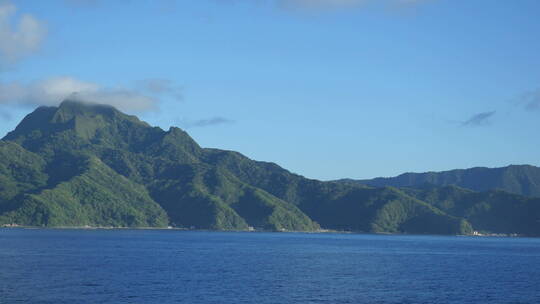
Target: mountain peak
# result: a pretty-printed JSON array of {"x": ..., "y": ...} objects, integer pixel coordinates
[
  {"x": 70, "y": 108},
  {"x": 82, "y": 117},
  {"x": 80, "y": 104}
]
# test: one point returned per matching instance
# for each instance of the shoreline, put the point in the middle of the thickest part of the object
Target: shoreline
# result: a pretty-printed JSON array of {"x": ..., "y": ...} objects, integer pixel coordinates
[
  {"x": 320, "y": 231},
  {"x": 165, "y": 228}
]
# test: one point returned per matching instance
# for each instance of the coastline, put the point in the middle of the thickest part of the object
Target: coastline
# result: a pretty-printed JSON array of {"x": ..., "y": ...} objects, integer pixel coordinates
[{"x": 320, "y": 231}]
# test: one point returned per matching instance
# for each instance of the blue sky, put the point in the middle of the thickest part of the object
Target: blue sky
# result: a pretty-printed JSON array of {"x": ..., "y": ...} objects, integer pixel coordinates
[{"x": 325, "y": 88}]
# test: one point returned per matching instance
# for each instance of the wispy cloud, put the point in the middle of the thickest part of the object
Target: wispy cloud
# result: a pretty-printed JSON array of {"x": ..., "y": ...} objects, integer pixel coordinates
[
  {"x": 479, "y": 119},
  {"x": 95, "y": 3},
  {"x": 286, "y": 5},
  {"x": 531, "y": 100},
  {"x": 325, "y": 5},
  {"x": 83, "y": 3},
  {"x": 54, "y": 90},
  {"x": 20, "y": 36},
  {"x": 411, "y": 2},
  {"x": 161, "y": 5},
  {"x": 162, "y": 87},
  {"x": 320, "y": 4},
  {"x": 216, "y": 120}
]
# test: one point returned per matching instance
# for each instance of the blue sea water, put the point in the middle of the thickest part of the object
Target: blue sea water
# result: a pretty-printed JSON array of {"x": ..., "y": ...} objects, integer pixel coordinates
[{"x": 171, "y": 266}]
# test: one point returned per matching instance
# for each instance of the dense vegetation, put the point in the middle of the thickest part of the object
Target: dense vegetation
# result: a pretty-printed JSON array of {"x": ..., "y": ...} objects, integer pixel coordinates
[
  {"x": 80, "y": 164},
  {"x": 493, "y": 211},
  {"x": 517, "y": 179}
]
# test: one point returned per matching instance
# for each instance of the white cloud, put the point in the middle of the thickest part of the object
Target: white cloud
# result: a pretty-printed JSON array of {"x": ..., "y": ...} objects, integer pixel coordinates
[
  {"x": 52, "y": 91},
  {"x": 22, "y": 39},
  {"x": 123, "y": 99}
]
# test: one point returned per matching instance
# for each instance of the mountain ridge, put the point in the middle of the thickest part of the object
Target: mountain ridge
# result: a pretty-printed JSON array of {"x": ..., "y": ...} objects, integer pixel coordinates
[
  {"x": 518, "y": 179},
  {"x": 82, "y": 164}
]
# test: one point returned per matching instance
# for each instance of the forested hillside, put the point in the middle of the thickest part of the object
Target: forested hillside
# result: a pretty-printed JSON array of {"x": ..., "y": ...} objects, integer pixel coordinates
[{"x": 83, "y": 164}]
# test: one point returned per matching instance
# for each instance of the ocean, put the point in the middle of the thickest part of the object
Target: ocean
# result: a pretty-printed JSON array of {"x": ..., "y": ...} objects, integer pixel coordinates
[{"x": 174, "y": 266}]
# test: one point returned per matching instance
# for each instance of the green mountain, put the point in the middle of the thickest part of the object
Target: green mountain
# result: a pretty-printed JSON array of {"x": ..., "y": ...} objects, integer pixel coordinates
[
  {"x": 517, "y": 179},
  {"x": 493, "y": 211},
  {"x": 83, "y": 164}
]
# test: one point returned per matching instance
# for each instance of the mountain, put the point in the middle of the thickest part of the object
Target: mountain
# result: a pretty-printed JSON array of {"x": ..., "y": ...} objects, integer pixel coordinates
[
  {"x": 493, "y": 211},
  {"x": 84, "y": 164},
  {"x": 522, "y": 179}
]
